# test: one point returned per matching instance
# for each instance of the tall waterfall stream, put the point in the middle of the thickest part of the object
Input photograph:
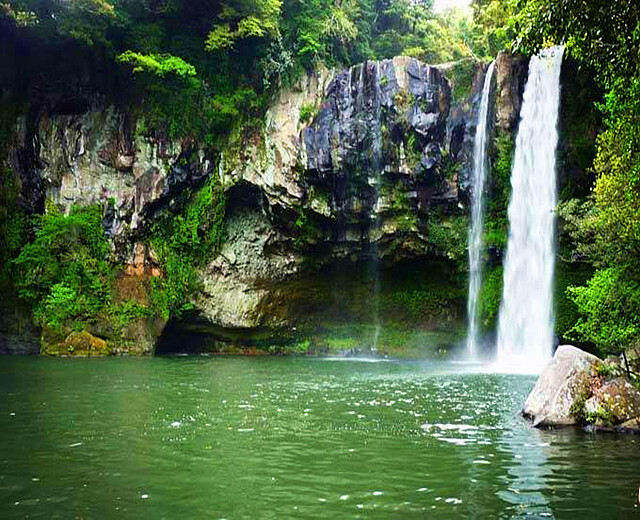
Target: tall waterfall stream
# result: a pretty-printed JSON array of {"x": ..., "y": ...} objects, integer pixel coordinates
[
  {"x": 525, "y": 326},
  {"x": 480, "y": 167}
]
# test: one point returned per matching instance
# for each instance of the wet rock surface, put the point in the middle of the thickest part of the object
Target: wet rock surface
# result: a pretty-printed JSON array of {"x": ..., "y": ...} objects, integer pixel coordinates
[
  {"x": 381, "y": 162},
  {"x": 511, "y": 76},
  {"x": 380, "y": 155},
  {"x": 18, "y": 335}
]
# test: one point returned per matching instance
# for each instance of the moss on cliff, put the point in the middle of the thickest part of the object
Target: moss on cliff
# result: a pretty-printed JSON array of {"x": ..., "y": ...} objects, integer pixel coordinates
[
  {"x": 185, "y": 241},
  {"x": 496, "y": 218},
  {"x": 448, "y": 236},
  {"x": 490, "y": 297},
  {"x": 461, "y": 77},
  {"x": 75, "y": 344}
]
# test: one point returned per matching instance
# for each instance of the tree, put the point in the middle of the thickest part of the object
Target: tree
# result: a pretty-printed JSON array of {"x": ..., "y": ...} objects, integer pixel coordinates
[
  {"x": 65, "y": 272},
  {"x": 244, "y": 19},
  {"x": 602, "y": 33}
]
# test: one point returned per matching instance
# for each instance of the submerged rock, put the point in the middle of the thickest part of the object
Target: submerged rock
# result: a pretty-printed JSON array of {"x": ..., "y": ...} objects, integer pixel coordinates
[{"x": 560, "y": 387}]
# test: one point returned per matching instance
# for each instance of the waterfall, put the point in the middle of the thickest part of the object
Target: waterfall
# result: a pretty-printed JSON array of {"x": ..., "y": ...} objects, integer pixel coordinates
[
  {"x": 525, "y": 327},
  {"x": 480, "y": 167},
  {"x": 377, "y": 222}
]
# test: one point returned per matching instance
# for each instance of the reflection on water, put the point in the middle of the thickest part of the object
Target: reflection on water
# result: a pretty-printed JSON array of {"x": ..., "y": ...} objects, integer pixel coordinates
[
  {"x": 528, "y": 471},
  {"x": 293, "y": 438}
]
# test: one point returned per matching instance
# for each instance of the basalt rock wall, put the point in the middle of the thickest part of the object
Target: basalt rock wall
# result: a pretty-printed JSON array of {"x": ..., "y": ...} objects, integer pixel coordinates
[{"x": 368, "y": 164}]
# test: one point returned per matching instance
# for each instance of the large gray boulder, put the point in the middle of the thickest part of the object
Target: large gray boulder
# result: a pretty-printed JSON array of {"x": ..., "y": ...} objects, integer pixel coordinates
[{"x": 563, "y": 385}]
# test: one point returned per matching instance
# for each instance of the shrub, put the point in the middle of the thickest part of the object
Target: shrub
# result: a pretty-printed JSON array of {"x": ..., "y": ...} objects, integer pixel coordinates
[
  {"x": 609, "y": 306},
  {"x": 448, "y": 236},
  {"x": 65, "y": 272},
  {"x": 307, "y": 113}
]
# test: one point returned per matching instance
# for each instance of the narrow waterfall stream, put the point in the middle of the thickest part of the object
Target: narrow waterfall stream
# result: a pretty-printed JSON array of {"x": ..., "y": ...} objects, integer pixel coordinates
[
  {"x": 376, "y": 181},
  {"x": 480, "y": 167},
  {"x": 525, "y": 326}
]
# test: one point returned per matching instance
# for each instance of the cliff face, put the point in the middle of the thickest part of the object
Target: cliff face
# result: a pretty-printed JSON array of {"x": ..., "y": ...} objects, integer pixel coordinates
[
  {"x": 511, "y": 77},
  {"x": 377, "y": 170},
  {"x": 96, "y": 157},
  {"x": 367, "y": 163}
]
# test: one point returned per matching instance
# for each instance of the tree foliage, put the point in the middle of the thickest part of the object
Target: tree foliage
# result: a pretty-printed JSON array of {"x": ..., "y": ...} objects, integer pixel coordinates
[
  {"x": 609, "y": 305},
  {"x": 241, "y": 19},
  {"x": 601, "y": 33},
  {"x": 496, "y": 24},
  {"x": 65, "y": 272},
  {"x": 158, "y": 65}
]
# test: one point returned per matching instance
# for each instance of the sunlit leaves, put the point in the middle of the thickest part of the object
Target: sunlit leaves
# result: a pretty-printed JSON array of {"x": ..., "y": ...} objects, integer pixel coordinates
[
  {"x": 20, "y": 17},
  {"x": 240, "y": 19},
  {"x": 221, "y": 37},
  {"x": 610, "y": 308},
  {"x": 159, "y": 65},
  {"x": 340, "y": 22}
]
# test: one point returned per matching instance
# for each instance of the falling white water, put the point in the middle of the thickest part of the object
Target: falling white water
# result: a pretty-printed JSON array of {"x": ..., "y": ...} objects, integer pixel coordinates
[
  {"x": 377, "y": 181},
  {"x": 477, "y": 214},
  {"x": 525, "y": 327}
]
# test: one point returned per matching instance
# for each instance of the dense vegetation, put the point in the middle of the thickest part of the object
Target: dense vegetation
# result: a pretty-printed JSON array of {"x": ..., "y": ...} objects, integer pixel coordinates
[
  {"x": 203, "y": 67},
  {"x": 202, "y": 71}
]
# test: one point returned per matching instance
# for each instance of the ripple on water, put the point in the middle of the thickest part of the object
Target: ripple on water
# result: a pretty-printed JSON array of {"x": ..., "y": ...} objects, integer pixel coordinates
[{"x": 378, "y": 439}]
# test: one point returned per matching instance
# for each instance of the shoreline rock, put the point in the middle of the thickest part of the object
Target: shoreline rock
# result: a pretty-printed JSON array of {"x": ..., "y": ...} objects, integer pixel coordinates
[
  {"x": 561, "y": 383},
  {"x": 579, "y": 389}
]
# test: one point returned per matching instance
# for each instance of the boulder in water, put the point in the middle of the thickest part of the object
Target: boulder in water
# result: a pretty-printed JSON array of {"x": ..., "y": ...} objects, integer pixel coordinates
[
  {"x": 561, "y": 388},
  {"x": 578, "y": 388}
]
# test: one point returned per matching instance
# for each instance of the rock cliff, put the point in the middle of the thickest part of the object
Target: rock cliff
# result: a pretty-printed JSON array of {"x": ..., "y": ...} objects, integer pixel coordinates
[
  {"x": 376, "y": 168},
  {"x": 365, "y": 165}
]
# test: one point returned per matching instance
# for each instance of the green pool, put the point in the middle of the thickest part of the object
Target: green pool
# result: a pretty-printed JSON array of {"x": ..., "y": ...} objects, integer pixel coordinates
[{"x": 215, "y": 437}]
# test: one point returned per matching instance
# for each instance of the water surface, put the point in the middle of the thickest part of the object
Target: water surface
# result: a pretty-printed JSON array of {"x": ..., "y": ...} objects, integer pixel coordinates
[{"x": 293, "y": 438}]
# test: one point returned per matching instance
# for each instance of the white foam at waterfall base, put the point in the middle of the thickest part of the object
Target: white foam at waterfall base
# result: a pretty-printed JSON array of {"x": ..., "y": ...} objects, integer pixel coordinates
[
  {"x": 478, "y": 181},
  {"x": 525, "y": 325}
]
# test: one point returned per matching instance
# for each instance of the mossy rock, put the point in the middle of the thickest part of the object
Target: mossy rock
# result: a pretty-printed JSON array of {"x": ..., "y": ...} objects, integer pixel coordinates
[
  {"x": 81, "y": 344},
  {"x": 612, "y": 402}
]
